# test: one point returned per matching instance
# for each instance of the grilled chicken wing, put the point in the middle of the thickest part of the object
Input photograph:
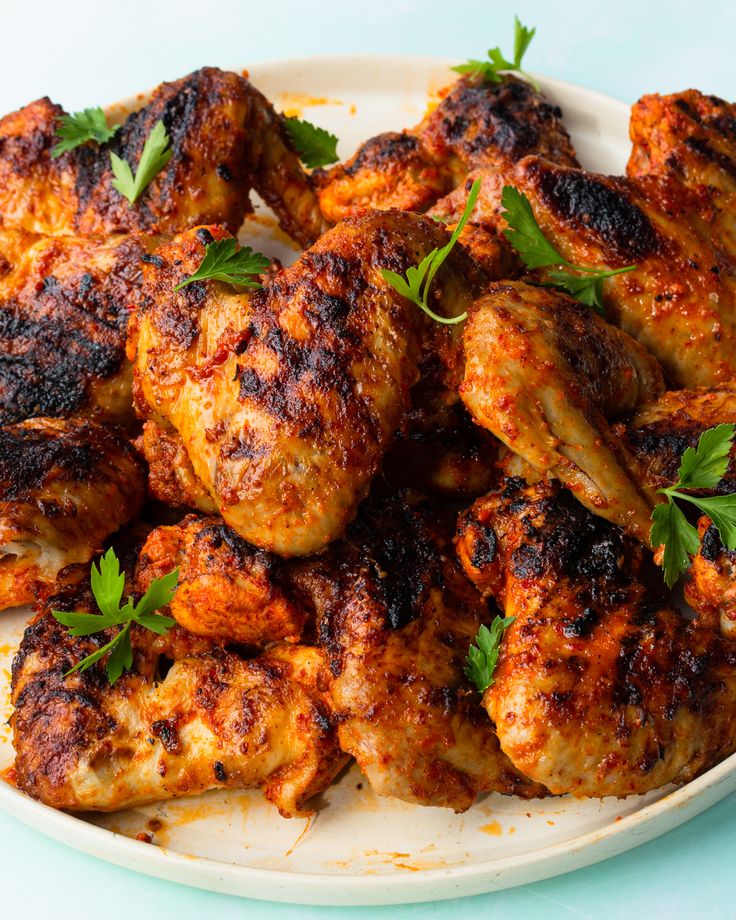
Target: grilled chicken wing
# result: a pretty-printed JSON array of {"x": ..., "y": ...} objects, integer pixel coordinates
[
  {"x": 689, "y": 135},
  {"x": 543, "y": 372},
  {"x": 601, "y": 688},
  {"x": 477, "y": 125},
  {"x": 65, "y": 486},
  {"x": 287, "y": 399},
  {"x": 227, "y": 590},
  {"x": 396, "y": 617},
  {"x": 225, "y": 139},
  {"x": 64, "y": 306},
  {"x": 658, "y": 434},
  {"x": 679, "y": 302},
  {"x": 213, "y": 720}
]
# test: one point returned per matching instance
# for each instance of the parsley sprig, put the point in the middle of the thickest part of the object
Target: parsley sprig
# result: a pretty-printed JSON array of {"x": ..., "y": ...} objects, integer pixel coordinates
[
  {"x": 483, "y": 656},
  {"x": 156, "y": 154},
  {"x": 107, "y": 586},
  {"x": 80, "y": 128},
  {"x": 525, "y": 235},
  {"x": 700, "y": 468},
  {"x": 417, "y": 284},
  {"x": 224, "y": 261},
  {"x": 315, "y": 146},
  {"x": 491, "y": 69}
]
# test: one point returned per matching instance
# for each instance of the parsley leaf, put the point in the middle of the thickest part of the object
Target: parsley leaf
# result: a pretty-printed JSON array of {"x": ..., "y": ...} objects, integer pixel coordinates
[
  {"x": 315, "y": 146},
  {"x": 704, "y": 466},
  {"x": 223, "y": 261},
  {"x": 483, "y": 657},
  {"x": 700, "y": 468},
  {"x": 671, "y": 528},
  {"x": 81, "y": 127},
  {"x": 525, "y": 235},
  {"x": 491, "y": 69},
  {"x": 417, "y": 284},
  {"x": 107, "y": 586},
  {"x": 155, "y": 155}
]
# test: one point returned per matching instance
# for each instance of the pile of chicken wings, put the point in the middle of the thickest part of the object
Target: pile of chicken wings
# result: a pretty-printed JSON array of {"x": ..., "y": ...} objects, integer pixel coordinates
[{"x": 348, "y": 488}]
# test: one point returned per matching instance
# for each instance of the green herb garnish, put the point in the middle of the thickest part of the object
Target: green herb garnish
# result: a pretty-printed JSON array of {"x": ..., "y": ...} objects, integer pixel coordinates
[
  {"x": 700, "y": 468},
  {"x": 491, "y": 69},
  {"x": 156, "y": 154},
  {"x": 315, "y": 146},
  {"x": 417, "y": 284},
  {"x": 81, "y": 127},
  {"x": 107, "y": 586},
  {"x": 583, "y": 283},
  {"x": 223, "y": 261},
  {"x": 483, "y": 656}
]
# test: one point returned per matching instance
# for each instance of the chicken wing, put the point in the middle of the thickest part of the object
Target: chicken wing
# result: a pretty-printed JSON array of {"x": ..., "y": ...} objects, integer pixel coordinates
[
  {"x": 689, "y": 135},
  {"x": 658, "y": 434},
  {"x": 396, "y": 617},
  {"x": 225, "y": 139},
  {"x": 65, "y": 486},
  {"x": 212, "y": 720},
  {"x": 227, "y": 591},
  {"x": 477, "y": 124},
  {"x": 601, "y": 687},
  {"x": 680, "y": 301},
  {"x": 542, "y": 372},
  {"x": 287, "y": 399},
  {"x": 64, "y": 307}
]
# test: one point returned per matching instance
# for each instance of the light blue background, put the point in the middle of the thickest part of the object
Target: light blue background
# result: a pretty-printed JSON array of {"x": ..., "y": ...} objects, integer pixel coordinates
[{"x": 85, "y": 53}]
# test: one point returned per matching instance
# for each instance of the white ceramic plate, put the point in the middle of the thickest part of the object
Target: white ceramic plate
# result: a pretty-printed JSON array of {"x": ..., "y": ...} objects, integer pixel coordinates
[{"x": 361, "y": 849}]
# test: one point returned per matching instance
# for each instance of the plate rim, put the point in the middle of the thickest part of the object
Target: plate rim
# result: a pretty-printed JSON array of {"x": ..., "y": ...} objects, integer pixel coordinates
[{"x": 396, "y": 886}]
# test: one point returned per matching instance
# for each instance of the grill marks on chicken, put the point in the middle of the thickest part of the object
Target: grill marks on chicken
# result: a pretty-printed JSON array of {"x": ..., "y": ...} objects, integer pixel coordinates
[
  {"x": 396, "y": 617},
  {"x": 679, "y": 302},
  {"x": 543, "y": 372},
  {"x": 225, "y": 140},
  {"x": 64, "y": 307},
  {"x": 65, "y": 486},
  {"x": 601, "y": 687},
  {"x": 476, "y": 125},
  {"x": 213, "y": 720},
  {"x": 689, "y": 135},
  {"x": 287, "y": 399}
]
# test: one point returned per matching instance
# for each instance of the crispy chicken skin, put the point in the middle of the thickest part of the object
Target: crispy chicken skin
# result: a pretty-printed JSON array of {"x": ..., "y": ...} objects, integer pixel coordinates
[
  {"x": 601, "y": 688},
  {"x": 658, "y": 435},
  {"x": 225, "y": 138},
  {"x": 689, "y": 135},
  {"x": 287, "y": 399},
  {"x": 64, "y": 306},
  {"x": 679, "y": 302},
  {"x": 543, "y": 372},
  {"x": 396, "y": 617},
  {"x": 213, "y": 720},
  {"x": 65, "y": 486},
  {"x": 476, "y": 125},
  {"x": 227, "y": 591}
]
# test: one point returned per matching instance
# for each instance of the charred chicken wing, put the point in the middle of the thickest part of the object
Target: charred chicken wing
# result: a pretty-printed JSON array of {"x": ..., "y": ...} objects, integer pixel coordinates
[
  {"x": 396, "y": 617},
  {"x": 65, "y": 486},
  {"x": 225, "y": 140},
  {"x": 287, "y": 399},
  {"x": 477, "y": 125},
  {"x": 212, "y": 720},
  {"x": 601, "y": 687}
]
